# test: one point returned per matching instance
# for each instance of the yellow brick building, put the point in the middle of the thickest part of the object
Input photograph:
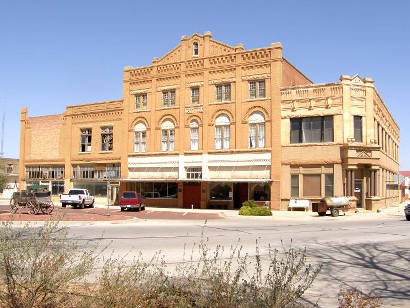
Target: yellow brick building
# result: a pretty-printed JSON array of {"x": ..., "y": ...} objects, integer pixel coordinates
[{"x": 210, "y": 125}]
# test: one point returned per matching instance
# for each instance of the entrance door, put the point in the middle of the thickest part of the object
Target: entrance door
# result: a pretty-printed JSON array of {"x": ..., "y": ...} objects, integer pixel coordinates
[
  {"x": 358, "y": 188},
  {"x": 192, "y": 195},
  {"x": 240, "y": 194}
]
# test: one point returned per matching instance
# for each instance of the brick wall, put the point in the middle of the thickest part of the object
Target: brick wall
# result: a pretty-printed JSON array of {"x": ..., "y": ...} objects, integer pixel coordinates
[{"x": 291, "y": 76}]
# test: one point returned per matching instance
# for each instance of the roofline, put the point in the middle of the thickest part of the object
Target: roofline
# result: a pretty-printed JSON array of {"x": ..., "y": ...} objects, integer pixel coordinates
[
  {"x": 96, "y": 103},
  {"x": 287, "y": 61}
]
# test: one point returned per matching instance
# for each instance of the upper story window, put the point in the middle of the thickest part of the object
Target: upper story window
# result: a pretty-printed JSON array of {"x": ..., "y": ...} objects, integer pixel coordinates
[
  {"x": 312, "y": 129},
  {"x": 194, "y": 128},
  {"x": 168, "y": 98},
  {"x": 44, "y": 172},
  {"x": 194, "y": 95},
  {"x": 168, "y": 136},
  {"x": 140, "y": 142},
  {"x": 222, "y": 132},
  {"x": 358, "y": 133},
  {"x": 257, "y": 89},
  {"x": 107, "y": 138},
  {"x": 256, "y": 130},
  {"x": 195, "y": 49},
  {"x": 9, "y": 168},
  {"x": 194, "y": 173},
  {"x": 141, "y": 101},
  {"x": 223, "y": 93},
  {"x": 85, "y": 145}
]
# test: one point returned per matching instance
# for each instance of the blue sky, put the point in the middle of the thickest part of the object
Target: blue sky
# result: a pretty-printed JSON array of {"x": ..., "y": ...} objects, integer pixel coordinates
[{"x": 58, "y": 53}]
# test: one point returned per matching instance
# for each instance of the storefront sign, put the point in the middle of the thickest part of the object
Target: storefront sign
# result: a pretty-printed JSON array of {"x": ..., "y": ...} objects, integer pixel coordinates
[{"x": 194, "y": 110}]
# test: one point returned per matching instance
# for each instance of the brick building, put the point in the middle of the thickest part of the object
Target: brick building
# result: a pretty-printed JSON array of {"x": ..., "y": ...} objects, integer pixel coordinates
[{"x": 211, "y": 125}]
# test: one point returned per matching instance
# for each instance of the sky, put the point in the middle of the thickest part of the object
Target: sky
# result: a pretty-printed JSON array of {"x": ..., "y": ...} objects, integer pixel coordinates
[{"x": 59, "y": 53}]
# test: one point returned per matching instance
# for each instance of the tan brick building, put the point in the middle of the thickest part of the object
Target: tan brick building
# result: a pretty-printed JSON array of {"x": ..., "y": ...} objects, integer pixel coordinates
[{"x": 211, "y": 125}]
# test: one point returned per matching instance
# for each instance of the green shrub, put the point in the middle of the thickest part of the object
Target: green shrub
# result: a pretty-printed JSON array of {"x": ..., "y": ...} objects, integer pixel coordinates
[{"x": 250, "y": 208}]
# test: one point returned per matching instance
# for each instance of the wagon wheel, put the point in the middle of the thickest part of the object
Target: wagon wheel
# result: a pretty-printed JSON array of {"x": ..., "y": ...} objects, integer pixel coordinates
[
  {"x": 14, "y": 206},
  {"x": 334, "y": 212},
  {"x": 47, "y": 207},
  {"x": 32, "y": 207}
]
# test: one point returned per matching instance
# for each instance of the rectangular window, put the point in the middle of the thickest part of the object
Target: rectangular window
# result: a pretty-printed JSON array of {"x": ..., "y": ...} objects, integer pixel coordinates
[
  {"x": 106, "y": 138},
  {"x": 161, "y": 190},
  {"x": 44, "y": 172},
  {"x": 194, "y": 138},
  {"x": 10, "y": 169},
  {"x": 140, "y": 141},
  {"x": 358, "y": 134},
  {"x": 223, "y": 93},
  {"x": 112, "y": 171},
  {"x": 294, "y": 185},
  {"x": 329, "y": 185},
  {"x": 257, "y": 135},
  {"x": 168, "y": 98},
  {"x": 222, "y": 138},
  {"x": 141, "y": 101},
  {"x": 311, "y": 129},
  {"x": 194, "y": 173},
  {"x": 220, "y": 192},
  {"x": 167, "y": 142},
  {"x": 85, "y": 145},
  {"x": 311, "y": 185},
  {"x": 194, "y": 95},
  {"x": 257, "y": 89}
]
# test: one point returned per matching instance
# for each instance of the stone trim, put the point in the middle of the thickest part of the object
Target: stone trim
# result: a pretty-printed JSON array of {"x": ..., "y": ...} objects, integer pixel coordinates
[
  {"x": 256, "y": 77},
  {"x": 142, "y": 91},
  {"x": 221, "y": 81},
  {"x": 194, "y": 84},
  {"x": 168, "y": 88}
]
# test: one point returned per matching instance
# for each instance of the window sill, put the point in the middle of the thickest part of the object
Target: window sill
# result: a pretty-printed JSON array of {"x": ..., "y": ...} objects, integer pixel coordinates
[
  {"x": 167, "y": 108},
  {"x": 310, "y": 144},
  {"x": 141, "y": 110},
  {"x": 152, "y": 153},
  {"x": 257, "y": 99},
  {"x": 105, "y": 152},
  {"x": 80, "y": 153},
  {"x": 222, "y": 103},
  {"x": 240, "y": 150}
]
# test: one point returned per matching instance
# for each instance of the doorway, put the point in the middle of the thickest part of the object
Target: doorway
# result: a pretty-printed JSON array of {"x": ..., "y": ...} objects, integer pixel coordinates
[
  {"x": 192, "y": 195},
  {"x": 358, "y": 190},
  {"x": 240, "y": 194}
]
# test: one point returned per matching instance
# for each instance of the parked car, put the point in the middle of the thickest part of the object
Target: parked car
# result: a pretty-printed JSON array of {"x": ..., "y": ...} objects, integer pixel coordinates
[
  {"x": 77, "y": 198},
  {"x": 131, "y": 200},
  {"x": 407, "y": 211}
]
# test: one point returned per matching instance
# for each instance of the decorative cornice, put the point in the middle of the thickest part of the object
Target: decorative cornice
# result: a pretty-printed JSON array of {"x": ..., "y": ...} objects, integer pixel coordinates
[
  {"x": 168, "y": 88},
  {"x": 224, "y": 80},
  {"x": 256, "y": 77},
  {"x": 195, "y": 84},
  {"x": 140, "y": 91}
]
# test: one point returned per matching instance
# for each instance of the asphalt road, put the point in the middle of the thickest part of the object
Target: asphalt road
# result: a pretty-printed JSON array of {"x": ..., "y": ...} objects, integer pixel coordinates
[
  {"x": 370, "y": 252},
  {"x": 366, "y": 251}
]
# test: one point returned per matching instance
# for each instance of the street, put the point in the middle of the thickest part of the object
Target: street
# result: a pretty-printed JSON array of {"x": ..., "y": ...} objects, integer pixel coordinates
[{"x": 369, "y": 251}]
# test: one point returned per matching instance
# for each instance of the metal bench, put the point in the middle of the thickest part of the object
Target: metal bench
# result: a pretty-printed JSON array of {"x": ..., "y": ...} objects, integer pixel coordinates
[{"x": 299, "y": 204}]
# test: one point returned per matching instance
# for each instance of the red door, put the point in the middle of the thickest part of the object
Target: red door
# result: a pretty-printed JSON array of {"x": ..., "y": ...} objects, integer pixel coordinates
[{"x": 192, "y": 195}]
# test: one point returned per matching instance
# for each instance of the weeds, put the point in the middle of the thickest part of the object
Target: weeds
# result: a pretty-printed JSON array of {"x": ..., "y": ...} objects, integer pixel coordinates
[
  {"x": 354, "y": 298},
  {"x": 41, "y": 268}
]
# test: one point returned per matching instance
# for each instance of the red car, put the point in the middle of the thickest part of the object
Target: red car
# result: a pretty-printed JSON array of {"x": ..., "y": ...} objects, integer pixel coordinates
[{"x": 130, "y": 200}]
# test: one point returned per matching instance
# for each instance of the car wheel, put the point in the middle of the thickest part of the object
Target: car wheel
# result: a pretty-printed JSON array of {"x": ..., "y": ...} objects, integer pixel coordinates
[
  {"x": 122, "y": 209},
  {"x": 92, "y": 204},
  {"x": 322, "y": 213},
  {"x": 82, "y": 204},
  {"x": 408, "y": 217},
  {"x": 334, "y": 212},
  {"x": 143, "y": 208},
  {"x": 63, "y": 205}
]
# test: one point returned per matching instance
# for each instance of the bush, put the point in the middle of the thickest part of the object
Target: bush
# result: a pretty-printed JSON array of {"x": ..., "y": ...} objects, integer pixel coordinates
[
  {"x": 353, "y": 298},
  {"x": 42, "y": 268},
  {"x": 250, "y": 208},
  {"x": 39, "y": 266}
]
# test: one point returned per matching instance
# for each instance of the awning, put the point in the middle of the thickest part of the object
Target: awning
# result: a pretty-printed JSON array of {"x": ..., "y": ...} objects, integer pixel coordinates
[{"x": 202, "y": 180}]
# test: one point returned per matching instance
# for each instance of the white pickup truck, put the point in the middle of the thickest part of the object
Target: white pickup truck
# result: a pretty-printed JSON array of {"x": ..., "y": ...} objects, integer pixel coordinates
[{"x": 77, "y": 197}]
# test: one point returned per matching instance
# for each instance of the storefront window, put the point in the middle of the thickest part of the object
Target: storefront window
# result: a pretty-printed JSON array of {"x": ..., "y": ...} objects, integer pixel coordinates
[
  {"x": 57, "y": 188},
  {"x": 220, "y": 191},
  {"x": 157, "y": 190},
  {"x": 260, "y": 192},
  {"x": 95, "y": 189}
]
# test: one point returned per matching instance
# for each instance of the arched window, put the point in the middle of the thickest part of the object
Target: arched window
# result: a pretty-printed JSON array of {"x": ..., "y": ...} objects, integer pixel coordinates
[
  {"x": 168, "y": 136},
  {"x": 222, "y": 132},
  {"x": 140, "y": 142},
  {"x": 195, "y": 49},
  {"x": 256, "y": 130},
  {"x": 194, "y": 127}
]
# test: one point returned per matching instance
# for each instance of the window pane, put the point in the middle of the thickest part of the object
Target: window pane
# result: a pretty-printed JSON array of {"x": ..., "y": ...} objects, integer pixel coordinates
[
  {"x": 328, "y": 129},
  {"x": 311, "y": 185},
  {"x": 252, "y": 89},
  {"x": 316, "y": 127},
  {"x": 328, "y": 185},
  {"x": 306, "y": 130},
  {"x": 220, "y": 192},
  {"x": 226, "y": 137},
  {"x": 218, "y": 137},
  {"x": 252, "y": 135},
  {"x": 294, "y": 185},
  {"x": 261, "y": 135},
  {"x": 295, "y": 130},
  {"x": 172, "y": 190},
  {"x": 260, "y": 192},
  {"x": 227, "y": 92},
  {"x": 358, "y": 128},
  {"x": 261, "y": 92}
]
